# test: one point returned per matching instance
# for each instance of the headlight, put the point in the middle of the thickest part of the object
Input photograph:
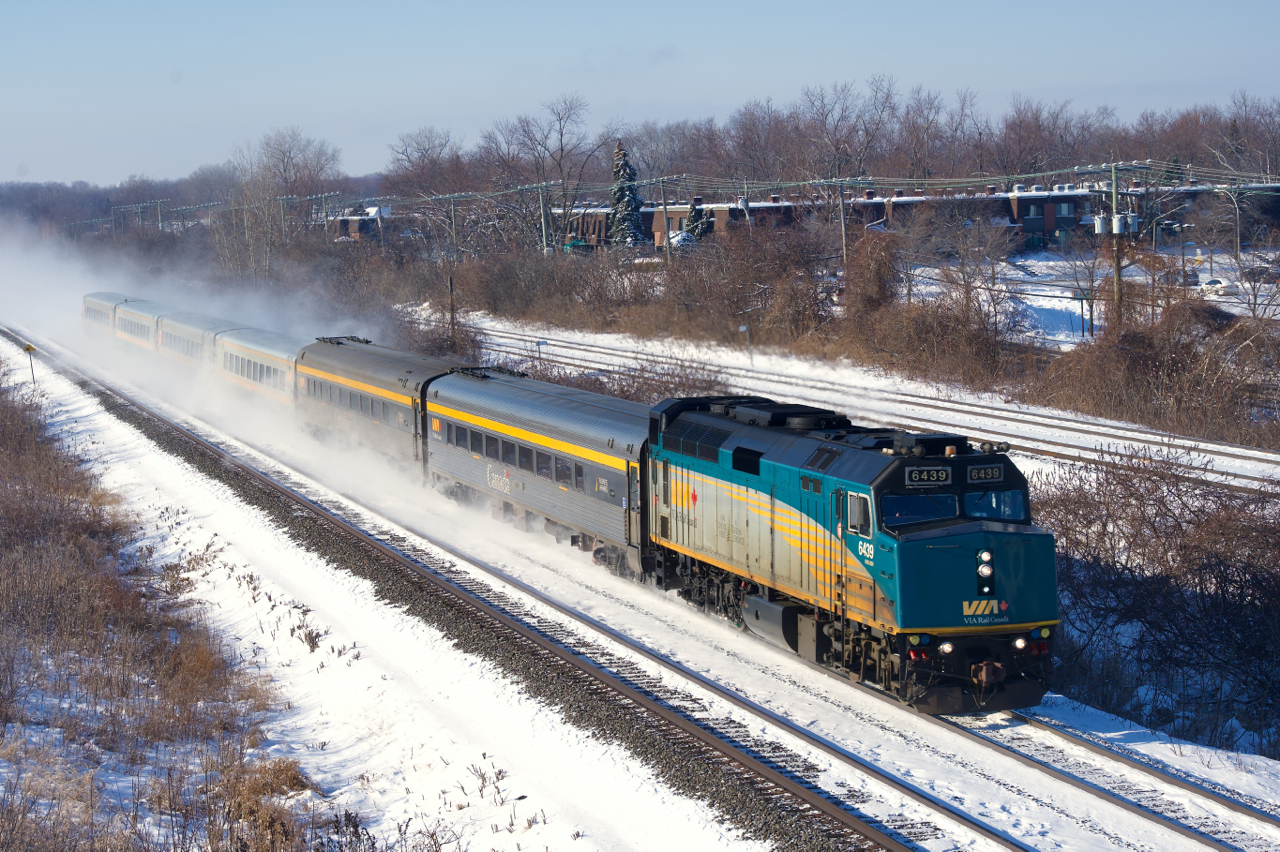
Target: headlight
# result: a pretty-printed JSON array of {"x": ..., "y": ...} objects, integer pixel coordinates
[
  {"x": 1020, "y": 643},
  {"x": 946, "y": 647},
  {"x": 984, "y": 571},
  {"x": 985, "y": 555}
]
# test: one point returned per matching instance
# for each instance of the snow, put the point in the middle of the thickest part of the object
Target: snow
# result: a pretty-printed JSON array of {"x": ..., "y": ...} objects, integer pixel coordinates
[
  {"x": 391, "y": 726},
  {"x": 394, "y": 733}
]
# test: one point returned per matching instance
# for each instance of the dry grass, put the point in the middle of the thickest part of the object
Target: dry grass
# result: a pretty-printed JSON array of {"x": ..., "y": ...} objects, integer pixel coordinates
[
  {"x": 103, "y": 668},
  {"x": 1170, "y": 593}
]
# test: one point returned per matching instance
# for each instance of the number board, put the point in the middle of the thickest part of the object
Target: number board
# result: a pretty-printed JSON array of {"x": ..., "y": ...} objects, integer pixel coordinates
[
  {"x": 923, "y": 477},
  {"x": 986, "y": 473}
]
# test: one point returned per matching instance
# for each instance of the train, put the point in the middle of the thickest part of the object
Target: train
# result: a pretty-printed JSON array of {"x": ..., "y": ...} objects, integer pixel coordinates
[{"x": 906, "y": 561}]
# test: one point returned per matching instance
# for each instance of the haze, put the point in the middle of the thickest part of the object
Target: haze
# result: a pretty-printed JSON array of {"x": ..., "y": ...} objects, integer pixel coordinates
[{"x": 100, "y": 92}]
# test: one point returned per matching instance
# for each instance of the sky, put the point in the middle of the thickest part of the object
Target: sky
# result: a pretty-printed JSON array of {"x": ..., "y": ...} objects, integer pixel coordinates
[{"x": 99, "y": 92}]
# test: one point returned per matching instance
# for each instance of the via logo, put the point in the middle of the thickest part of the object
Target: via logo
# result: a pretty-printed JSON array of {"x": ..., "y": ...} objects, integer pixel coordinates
[{"x": 984, "y": 607}]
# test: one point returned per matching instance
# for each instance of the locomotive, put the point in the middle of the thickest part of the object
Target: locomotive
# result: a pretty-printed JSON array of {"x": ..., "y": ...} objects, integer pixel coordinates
[{"x": 909, "y": 561}]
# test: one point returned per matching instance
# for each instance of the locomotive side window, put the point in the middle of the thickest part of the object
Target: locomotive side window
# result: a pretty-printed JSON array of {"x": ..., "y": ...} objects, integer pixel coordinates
[
  {"x": 747, "y": 461},
  {"x": 526, "y": 458},
  {"x": 491, "y": 447},
  {"x": 544, "y": 465},
  {"x": 461, "y": 434},
  {"x": 448, "y": 433},
  {"x": 564, "y": 472},
  {"x": 477, "y": 442},
  {"x": 998, "y": 505},
  {"x": 578, "y": 477},
  {"x": 860, "y": 515},
  {"x": 508, "y": 453}
]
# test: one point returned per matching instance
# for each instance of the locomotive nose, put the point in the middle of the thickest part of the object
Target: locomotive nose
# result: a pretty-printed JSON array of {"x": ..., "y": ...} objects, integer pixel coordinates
[{"x": 972, "y": 578}]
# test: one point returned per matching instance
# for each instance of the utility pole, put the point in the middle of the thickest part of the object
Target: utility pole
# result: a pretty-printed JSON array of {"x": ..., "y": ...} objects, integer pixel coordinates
[
  {"x": 1115, "y": 242},
  {"x": 844, "y": 239},
  {"x": 453, "y": 320},
  {"x": 542, "y": 214},
  {"x": 30, "y": 350},
  {"x": 453, "y": 228},
  {"x": 284, "y": 233},
  {"x": 666, "y": 222}
]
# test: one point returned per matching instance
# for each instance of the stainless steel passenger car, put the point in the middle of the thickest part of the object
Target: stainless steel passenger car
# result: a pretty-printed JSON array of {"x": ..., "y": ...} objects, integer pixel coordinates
[
  {"x": 188, "y": 337},
  {"x": 543, "y": 453},
  {"x": 258, "y": 361},
  {"x": 135, "y": 321},
  {"x": 368, "y": 395},
  {"x": 99, "y": 310}
]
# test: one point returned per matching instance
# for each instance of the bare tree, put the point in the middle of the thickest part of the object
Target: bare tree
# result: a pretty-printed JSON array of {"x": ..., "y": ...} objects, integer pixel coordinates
[
  {"x": 297, "y": 164},
  {"x": 422, "y": 162},
  {"x": 282, "y": 165},
  {"x": 970, "y": 251},
  {"x": 554, "y": 148},
  {"x": 1088, "y": 268}
]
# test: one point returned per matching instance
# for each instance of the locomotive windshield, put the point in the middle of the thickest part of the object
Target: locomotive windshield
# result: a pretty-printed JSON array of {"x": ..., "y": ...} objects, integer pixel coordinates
[
  {"x": 898, "y": 510},
  {"x": 998, "y": 505}
]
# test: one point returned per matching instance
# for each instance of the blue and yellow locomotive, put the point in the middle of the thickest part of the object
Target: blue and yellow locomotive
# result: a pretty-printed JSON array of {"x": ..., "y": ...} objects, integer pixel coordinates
[{"x": 902, "y": 559}]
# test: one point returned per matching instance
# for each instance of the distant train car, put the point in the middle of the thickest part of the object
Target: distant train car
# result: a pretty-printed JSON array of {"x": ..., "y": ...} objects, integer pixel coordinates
[
  {"x": 190, "y": 338},
  {"x": 257, "y": 361},
  {"x": 543, "y": 454},
  {"x": 99, "y": 311},
  {"x": 138, "y": 323},
  {"x": 135, "y": 321}
]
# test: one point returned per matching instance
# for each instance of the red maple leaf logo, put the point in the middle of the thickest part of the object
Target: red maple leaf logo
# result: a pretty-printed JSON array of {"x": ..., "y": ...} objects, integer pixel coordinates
[
  {"x": 694, "y": 496},
  {"x": 1004, "y": 605}
]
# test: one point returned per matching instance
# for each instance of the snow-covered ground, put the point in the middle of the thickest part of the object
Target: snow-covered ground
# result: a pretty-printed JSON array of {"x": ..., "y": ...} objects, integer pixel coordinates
[
  {"x": 1046, "y": 288},
  {"x": 386, "y": 716},
  {"x": 391, "y": 720}
]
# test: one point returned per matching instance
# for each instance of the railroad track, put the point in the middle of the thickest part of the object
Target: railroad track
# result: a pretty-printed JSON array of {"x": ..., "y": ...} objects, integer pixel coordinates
[
  {"x": 1195, "y": 808},
  {"x": 1038, "y": 433},
  {"x": 785, "y": 769}
]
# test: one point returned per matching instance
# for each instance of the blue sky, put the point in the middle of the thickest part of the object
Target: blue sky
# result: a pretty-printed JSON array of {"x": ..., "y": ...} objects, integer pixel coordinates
[{"x": 100, "y": 91}]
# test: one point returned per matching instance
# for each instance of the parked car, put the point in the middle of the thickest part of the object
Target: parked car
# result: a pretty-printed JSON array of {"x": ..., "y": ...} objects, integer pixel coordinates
[{"x": 1262, "y": 275}]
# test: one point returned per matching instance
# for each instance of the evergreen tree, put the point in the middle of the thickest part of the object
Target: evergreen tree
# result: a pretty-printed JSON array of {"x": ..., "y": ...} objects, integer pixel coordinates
[
  {"x": 624, "y": 215},
  {"x": 696, "y": 224}
]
